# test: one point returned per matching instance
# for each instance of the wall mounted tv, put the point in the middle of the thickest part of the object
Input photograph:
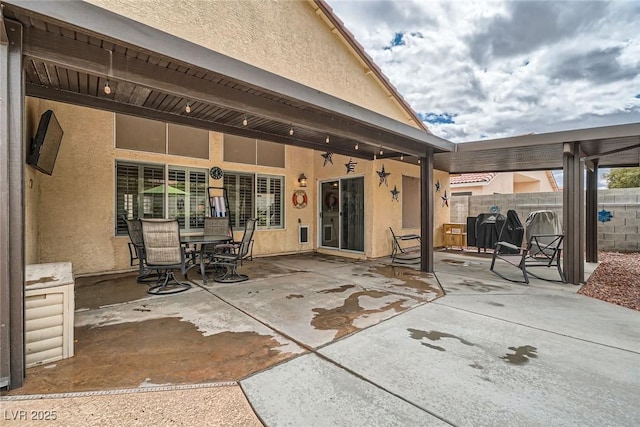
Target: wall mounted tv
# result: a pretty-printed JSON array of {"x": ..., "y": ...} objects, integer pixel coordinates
[{"x": 46, "y": 143}]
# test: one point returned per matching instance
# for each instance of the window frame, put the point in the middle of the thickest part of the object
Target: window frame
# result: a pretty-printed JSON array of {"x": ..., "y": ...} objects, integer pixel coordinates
[
  {"x": 255, "y": 177},
  {"x": 166, "y": 167}
]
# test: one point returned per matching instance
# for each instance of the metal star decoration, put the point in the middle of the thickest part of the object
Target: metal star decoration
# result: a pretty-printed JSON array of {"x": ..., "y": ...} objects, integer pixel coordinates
[
  {"x": 351, "y": 166},
  {"x": 383, "y": 177},
  {"x": 395, "y": 193},
  {"x": 327, "y": 158},
  {"x": 604, "y": 216},
  {"x": 445, "y": 199},
  {"x": 437, "y": 186}
]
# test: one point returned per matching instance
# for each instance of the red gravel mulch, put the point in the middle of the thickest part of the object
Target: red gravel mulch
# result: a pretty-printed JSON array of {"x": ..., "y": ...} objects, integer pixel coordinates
[{"x": 616, "y": 279}]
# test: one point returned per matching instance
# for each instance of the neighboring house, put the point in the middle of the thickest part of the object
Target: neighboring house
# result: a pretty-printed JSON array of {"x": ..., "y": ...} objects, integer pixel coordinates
[
  {"x": 111, "y": 164},
  {"x": 477, "y": 184},
  {"x": 474, "y": 184}
]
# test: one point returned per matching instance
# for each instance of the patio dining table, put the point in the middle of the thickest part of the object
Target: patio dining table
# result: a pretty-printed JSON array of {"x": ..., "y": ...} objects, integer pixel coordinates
[{"x": 204, "y": 240}]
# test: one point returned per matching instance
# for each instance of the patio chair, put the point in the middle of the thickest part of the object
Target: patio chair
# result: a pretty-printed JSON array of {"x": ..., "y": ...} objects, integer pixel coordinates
[
  {"x": 403, "y": 253},
  {"x": 136, "y": 251},
  {"x": 541, "y": 251},
  {"x": 164, "y": 252},
  {"x": 229, "y": 256},
  {"x": 217, "y": 226}
]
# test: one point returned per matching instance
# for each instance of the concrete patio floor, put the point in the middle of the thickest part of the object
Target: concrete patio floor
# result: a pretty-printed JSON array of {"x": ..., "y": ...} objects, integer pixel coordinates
[
  {"x": 316, "y": 340},
  {"x": 125, "y": 338}
]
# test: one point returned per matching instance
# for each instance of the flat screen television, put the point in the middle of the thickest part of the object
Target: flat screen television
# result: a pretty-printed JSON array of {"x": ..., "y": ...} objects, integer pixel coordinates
[{"x": 46, "y": 143}]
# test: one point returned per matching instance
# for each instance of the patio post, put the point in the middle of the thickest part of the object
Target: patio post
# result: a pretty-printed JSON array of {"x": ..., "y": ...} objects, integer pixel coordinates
[
  {"x": 573, "y": 214},
  {"x": 592, "y": 211},
  {"x": 426, "y": 212},
  {"x": 12, "y": 160}
]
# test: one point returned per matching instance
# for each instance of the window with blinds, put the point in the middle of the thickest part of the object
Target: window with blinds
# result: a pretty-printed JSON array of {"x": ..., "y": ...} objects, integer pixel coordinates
[
  {"x": 141, "y": 192},
  {"x": 186, "y": 195},
  {"x": 269, "y": 201},
  {"x": 257, "y": 196},
  {"x": 240, "y": 193}
]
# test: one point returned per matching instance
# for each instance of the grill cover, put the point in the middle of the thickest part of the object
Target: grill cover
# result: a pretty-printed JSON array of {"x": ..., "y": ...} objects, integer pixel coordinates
[
  {"x": 543, "y": 222},
  {"x": 488, "y": 226},
  {"x": 512, "y": 232}
]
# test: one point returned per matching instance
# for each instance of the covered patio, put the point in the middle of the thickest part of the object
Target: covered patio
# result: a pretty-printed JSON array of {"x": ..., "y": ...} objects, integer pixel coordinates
[
  {"x": 71, "y": 53},
  {"x": 486, "y": 352}
]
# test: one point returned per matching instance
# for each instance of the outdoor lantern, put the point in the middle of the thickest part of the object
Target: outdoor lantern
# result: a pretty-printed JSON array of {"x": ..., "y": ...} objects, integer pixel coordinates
[{"x": 302, "y": 180}]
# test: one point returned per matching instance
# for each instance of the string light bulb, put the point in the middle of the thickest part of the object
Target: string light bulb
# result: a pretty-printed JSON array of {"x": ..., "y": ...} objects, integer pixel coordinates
[
  {"x": 401, "y": 156},
  {"x": 418, "y": 161},
  {"x": 291, "y": 131},
  {"x": 327, "y": 139},
  {"x": 107, "y": 89},
  {"x": 187, "y": 108},
  {"x": 381, "y": 152},
  {"x": 374, "y": 157},
  {"x": 245, "y": 121},
  {"x": 356, "y": 147}
]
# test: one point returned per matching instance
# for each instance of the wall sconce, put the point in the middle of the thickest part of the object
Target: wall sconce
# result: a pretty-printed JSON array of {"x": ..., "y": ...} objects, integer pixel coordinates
[{"x": 302, "y": 180}]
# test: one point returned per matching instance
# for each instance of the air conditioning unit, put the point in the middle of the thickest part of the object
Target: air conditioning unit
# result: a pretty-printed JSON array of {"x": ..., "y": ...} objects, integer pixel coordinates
[
  {"x": 49, "y": 312},
  {"x": 303, "y": 234}
]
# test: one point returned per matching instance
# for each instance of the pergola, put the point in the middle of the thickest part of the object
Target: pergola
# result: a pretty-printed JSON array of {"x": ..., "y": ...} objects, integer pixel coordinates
[{"x": 68, "y": 52}]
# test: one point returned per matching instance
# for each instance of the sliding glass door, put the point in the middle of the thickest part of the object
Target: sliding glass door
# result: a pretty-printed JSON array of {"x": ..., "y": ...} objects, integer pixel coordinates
[{"x": 342, "y": 214}]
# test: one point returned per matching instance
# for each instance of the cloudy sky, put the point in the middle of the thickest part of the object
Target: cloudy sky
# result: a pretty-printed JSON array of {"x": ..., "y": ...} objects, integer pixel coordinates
[{"x": 475, "y": 70}]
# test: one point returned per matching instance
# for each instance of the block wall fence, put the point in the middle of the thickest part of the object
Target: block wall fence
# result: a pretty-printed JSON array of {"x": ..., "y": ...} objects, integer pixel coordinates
[{"x": 620, "y": 234}]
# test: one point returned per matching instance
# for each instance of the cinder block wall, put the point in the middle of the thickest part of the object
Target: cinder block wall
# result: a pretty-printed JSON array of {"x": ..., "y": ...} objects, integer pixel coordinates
[{"x": 622, "y": 233}]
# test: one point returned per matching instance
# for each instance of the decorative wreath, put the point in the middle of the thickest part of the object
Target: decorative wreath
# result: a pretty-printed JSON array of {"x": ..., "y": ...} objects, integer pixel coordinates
[
  {"x": 331, "y": 200},
  {"x": 300, "y": 199}
]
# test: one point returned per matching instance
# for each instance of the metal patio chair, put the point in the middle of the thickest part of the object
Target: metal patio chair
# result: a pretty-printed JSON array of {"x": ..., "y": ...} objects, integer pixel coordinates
[
  {"x": 403, "y": 253},
  {"x": 137, "y": 253},
  {"x": 229, "y": 256},
  {"x": 165, "y": 253},
  {"x": 541, "y": 251}
]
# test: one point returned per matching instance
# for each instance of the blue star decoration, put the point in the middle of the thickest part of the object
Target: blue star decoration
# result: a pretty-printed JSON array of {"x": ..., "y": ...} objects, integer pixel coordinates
[
  {"x": 445, "y": 199},
  {"x": 604, "y": 216},
  {"x": 351, "y": 166},
  {"x": 327, "y": 158},
  {"x": 437, "y": 186},
  {"x": 383, "y": 177},
  {"x": 395, "y": 193}
]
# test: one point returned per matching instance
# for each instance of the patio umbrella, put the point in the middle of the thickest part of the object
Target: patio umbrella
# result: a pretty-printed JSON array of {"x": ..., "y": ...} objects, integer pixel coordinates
[{"x": 159, "y": 189}]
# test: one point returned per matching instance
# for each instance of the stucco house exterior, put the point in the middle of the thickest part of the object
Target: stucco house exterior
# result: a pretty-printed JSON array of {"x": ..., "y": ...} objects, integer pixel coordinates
[{"x": 108, "y": 163}]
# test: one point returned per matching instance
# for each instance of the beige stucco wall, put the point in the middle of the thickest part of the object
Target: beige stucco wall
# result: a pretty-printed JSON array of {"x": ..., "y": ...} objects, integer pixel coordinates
[
  {"x": 70, "y": 215},
  {"x": 285, "y": 37},
  {"x": 31, "y": 187},
  {"x": 533, "y": 182}
]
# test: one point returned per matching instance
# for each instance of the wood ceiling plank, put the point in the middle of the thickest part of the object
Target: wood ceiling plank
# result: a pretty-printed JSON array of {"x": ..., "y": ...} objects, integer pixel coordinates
[
  {"x": 30, "y": 71},
  {"x": 139, "y": 95},
  {"x": 53, "y": 75}
]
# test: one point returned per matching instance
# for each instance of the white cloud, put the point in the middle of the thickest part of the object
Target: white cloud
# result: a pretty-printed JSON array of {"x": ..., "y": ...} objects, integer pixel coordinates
[{"x": 506, "y": 68}]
